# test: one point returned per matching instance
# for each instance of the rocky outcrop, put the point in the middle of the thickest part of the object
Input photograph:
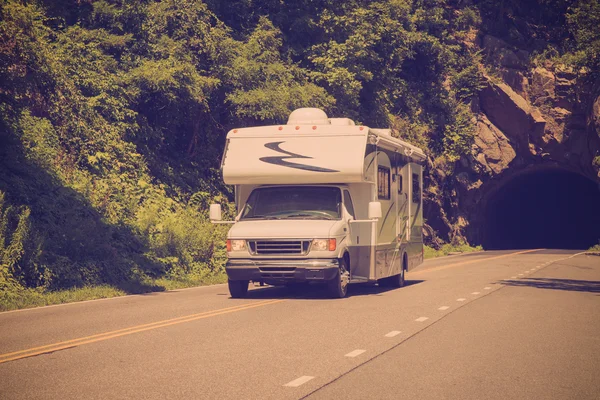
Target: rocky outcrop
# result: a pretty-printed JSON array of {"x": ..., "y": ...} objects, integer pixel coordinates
[
  {"x": 539, "y": 111},
  {"x": 493, "y": 150},
  {"x": 500, "y": 53},
  {"x": 531, "y": 118},
  {"x": 511, "y": 113}
]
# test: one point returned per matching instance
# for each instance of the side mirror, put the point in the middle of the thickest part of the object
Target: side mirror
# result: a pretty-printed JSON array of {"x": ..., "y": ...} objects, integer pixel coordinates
[
  {"x": 215, "y": 212},
  {"x": 374, "y": 210}
]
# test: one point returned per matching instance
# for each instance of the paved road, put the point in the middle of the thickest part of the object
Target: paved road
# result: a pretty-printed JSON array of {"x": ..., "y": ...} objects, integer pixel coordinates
[{"x": 506, "y": 325}]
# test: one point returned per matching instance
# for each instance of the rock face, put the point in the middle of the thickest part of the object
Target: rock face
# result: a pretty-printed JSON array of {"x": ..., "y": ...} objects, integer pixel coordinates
[
  {"x": 535, "y": 116},
  {"x": 492, "y": 148},
  {"x": 511, "y": 113}
]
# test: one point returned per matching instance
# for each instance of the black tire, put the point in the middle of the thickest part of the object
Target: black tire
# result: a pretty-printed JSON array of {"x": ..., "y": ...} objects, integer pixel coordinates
[
  {"x": 238, "y": 289},
  {"x": 397, "y": 281},
  {"x": 336, "y": 287}
]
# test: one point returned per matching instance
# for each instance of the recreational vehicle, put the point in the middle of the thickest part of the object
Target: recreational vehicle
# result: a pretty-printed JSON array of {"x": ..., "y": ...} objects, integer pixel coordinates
[{"x": 321, "y": 200}]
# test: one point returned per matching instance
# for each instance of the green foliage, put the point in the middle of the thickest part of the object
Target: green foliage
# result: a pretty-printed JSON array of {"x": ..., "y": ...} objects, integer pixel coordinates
[
  {"x": 263, "y": 86},
  {"x": 583, "y": 19},
  {"x": 19, "y": 249},
  {"x": 595, "y": 247},
  {"x": 448, "y": 248},
  {"x": 459, "y": 134}
]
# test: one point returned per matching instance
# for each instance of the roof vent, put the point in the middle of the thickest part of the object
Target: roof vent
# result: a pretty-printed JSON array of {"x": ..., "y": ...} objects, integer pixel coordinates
[{"x": 308, "y": 116}]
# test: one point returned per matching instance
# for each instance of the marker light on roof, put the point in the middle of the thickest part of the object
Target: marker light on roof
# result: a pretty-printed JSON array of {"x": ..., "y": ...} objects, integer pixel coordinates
[
  {"x": 314, "y": 127},
  {"x": 297, "y": 127},
  {"x": 361, "y": 128},
  {"x": 280, "y": 128},
  {"x": 235, "y": 131}
]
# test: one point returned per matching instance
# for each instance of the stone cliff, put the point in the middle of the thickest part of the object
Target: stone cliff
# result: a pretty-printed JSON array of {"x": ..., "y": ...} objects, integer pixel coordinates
[{"x": 529, "y": 117}]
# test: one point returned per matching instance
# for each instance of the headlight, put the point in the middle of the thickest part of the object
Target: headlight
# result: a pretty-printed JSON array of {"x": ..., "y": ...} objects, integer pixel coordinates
[
  {"x": 323, "y": 245},
  {"x": 236, "y": 245}
]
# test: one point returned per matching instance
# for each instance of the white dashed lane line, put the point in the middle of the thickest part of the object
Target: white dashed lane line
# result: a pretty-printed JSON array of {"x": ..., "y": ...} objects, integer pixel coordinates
[
  {"x": 475, "y": 293},
  {"x": 421, "y": 319},
  {"x": 355, "y": 353},
  {"x": 300, "y": 381},
  {"x": 392, "y": 333},
  {"x": 487, "y": 288},
  {"x": 461, "y": 299},
  {"x": 443, "y": 308}
]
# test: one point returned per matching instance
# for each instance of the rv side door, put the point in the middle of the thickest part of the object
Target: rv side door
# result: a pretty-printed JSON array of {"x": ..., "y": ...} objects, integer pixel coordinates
[
  {"x": 403, "y": 203},
  {"x": 359, "y": 240},
  {"x": 416, "y": 203}
]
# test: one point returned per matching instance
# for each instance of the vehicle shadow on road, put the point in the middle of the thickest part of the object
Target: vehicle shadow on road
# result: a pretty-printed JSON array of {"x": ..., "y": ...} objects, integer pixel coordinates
[
  {"x": 572, "y": 285},
  {"x": 317, "y": 292}
]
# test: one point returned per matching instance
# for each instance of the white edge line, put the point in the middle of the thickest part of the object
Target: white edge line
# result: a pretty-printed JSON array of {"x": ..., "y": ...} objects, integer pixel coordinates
[
  {"x": 355, "y": 353},
  {"x": 109, "y": 298},
  {"x": 300, "y": 381}
]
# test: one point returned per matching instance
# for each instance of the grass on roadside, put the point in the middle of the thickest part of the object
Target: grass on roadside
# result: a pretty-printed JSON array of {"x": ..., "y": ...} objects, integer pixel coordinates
[
  {"x": 446, "y": 249},
  {"x": 29, "y": 298},
  {"x": 595, "y": 247}
]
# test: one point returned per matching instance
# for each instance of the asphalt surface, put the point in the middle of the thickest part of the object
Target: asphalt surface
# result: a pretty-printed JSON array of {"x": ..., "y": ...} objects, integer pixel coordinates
[{"x": 501, "y": 324}]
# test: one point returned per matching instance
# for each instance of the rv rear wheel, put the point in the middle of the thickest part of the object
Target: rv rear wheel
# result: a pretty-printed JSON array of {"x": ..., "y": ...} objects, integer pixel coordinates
[
  {"x": 238, "y": 289},
  {"x": 397, "y": 280},
  {"x": 338, "y": 286}
]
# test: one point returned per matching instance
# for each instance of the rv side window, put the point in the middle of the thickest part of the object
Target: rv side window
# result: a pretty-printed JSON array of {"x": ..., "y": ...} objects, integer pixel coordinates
[
  {"x": 399, "y": 177},
  {"x": 348, "y": 203},
  {"x": 383, "y": 181},
  {"x": 416, "y": 194}
]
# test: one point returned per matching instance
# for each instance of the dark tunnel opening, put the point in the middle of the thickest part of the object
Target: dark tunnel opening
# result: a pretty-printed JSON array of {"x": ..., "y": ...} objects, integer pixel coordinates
[{"x": 553, "y": 208}]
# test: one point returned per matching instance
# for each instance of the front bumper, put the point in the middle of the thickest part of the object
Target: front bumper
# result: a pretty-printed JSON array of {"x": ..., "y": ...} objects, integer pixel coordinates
[{"x": 282, "y": 271}]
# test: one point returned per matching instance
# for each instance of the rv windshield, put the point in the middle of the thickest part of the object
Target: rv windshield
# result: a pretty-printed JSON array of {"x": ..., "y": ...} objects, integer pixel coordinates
[{"x": 293, "y": 202}]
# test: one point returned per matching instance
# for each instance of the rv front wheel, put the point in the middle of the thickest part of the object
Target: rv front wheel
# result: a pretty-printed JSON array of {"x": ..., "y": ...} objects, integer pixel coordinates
[
  {"x": 338, "y": 286},
  {"x": 238, "y": 289}
]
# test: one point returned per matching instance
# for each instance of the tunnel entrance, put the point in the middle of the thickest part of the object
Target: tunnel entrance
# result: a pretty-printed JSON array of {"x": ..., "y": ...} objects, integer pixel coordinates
[{"x": 551, "y": 208}]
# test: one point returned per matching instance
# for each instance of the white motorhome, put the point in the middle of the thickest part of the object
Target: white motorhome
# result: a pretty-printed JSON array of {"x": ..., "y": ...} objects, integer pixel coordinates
[{"x": 321, "y": 200}]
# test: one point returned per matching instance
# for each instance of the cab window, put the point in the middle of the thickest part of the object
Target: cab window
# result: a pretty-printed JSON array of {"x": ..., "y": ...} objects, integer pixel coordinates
[{"x": 348, "y": 203}]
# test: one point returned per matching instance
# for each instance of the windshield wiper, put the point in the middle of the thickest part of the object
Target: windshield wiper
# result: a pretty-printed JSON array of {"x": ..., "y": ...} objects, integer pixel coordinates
[
  {"x": 261, "y": 216},
  {"x": 308, "y": 216}
]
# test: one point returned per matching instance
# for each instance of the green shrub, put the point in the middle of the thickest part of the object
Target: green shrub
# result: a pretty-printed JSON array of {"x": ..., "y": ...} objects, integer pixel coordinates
[{"x": 449, "y": 248}]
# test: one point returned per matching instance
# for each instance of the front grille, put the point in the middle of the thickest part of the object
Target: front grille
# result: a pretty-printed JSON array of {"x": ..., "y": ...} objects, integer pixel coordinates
[
  {"x": 277, "y": 269},
  {"x": 279, "y": 247}
]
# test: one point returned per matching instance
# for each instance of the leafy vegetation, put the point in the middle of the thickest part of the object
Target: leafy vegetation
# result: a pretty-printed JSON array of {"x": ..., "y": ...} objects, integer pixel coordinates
[
  {"x": 448, "y": 249},
  {"x": 113, "y": 115},
  {"x": 595, "y": 247}
]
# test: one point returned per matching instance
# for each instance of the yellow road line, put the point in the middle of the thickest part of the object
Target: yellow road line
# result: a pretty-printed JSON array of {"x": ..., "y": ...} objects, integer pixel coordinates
[
  {"x": 127, "y": 331},
  {"x": 124, "y": 329},
  {"x": 471, "y": 262}
]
